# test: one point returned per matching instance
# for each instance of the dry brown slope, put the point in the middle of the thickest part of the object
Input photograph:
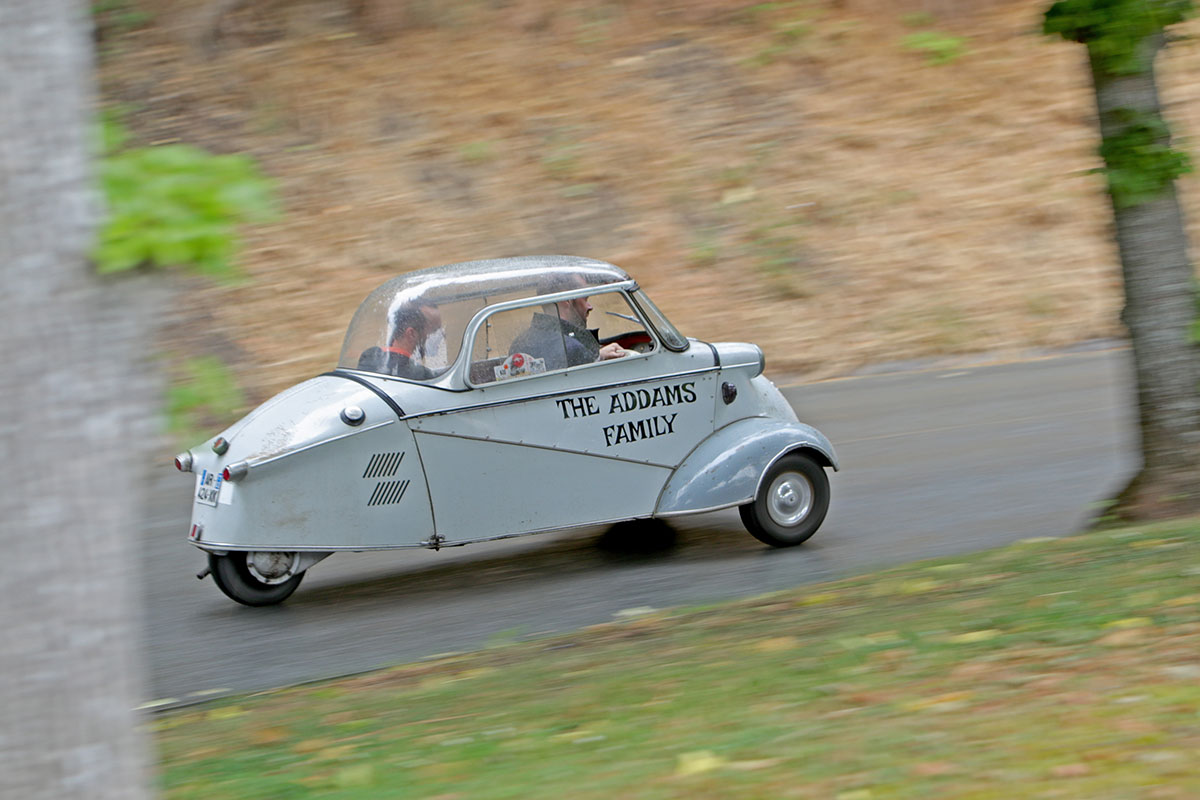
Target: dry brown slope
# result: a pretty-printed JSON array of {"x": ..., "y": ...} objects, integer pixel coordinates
[{"x": 795, "y": 177}]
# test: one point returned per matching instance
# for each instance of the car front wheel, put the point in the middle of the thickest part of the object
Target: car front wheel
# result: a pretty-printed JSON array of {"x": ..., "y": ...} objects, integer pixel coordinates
[
  {"x": 792, "y": 501},
  {"x": 256, "y": 579}
]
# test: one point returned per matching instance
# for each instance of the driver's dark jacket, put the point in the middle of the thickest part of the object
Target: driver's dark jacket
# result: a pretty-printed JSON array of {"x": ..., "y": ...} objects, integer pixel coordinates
[
  {"x": 393, "y": 362},
  {"x": 560, "y": 343}
]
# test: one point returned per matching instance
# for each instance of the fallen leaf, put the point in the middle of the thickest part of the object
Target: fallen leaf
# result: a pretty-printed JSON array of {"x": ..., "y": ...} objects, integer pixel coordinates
[
  {"x": 268, "y": 735},
  {"x": 750, "y": 766},
  {"x": 777, "y": 644},
  {"x": 638, "y": 611},
  {"x": 358, "y": 776},
  {"x": 739, "y": 195},
  {"x": 697, "y": 762},
  {"x": 1135, "y": 726},
  {"x": 975, "y": 636},
  {"x": 933, "y": 769},
  {"x": 919, "y": 586},
  {"x": 1123, "y": 638},
  {"x": 227, "y": 712},
  {"x": 941, "y": 702},
  {"x": 1183, "y": 671},
  {"x": 1071, "y": 771},
  {"x": 336, "y": 753}
]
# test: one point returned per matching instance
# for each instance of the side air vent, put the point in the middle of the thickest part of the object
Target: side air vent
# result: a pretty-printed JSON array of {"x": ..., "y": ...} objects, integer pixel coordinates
[
  {"x": 383, "y": 465},
  {"x": 388, "y": 492}
]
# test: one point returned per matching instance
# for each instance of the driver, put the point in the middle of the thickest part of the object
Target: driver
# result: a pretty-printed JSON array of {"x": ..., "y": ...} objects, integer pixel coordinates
[
  {"x": 559, "y": 333},
  {"x": 411, "y": 326}
]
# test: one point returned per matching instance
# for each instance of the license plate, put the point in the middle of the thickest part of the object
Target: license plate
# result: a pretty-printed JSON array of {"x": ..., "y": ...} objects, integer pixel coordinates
[{"x": 208, "y": 488}]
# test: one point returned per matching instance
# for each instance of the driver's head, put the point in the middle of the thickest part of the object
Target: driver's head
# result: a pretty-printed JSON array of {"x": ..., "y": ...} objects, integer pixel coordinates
[{"x": 574, "y": 311}]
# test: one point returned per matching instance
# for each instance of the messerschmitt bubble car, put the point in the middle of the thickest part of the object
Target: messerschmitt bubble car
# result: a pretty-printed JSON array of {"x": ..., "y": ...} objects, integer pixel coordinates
[{"x": 493, "y": 399}]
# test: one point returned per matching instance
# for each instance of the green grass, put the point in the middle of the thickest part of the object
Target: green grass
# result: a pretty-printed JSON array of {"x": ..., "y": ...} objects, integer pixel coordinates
[
  {"x": 938, "y": 48},
  {"x": 1057, "y": 669}
]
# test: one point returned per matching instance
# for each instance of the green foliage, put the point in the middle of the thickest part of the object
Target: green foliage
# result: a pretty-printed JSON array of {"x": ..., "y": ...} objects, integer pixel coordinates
[
  {"x": 117, "y": 16},
  {"x": 1140, "y": 162},
  {"x": 1195, "y": 331},
  {"x": 1114, "y": 30},
  {"x": 478, "y": 152},
  {"x": 176, "y": 205},
  {"x": 203, "y": 394},
  {"x": 938, "y": 48}
]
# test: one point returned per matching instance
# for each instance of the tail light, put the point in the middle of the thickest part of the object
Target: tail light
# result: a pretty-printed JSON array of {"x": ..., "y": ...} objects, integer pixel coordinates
[
  {"x": 235, "y": 471},
  {"x": 183, "y": 462}
]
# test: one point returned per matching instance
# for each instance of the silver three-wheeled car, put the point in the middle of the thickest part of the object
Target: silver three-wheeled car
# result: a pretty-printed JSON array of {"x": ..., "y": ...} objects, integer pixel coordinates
[{"x": 493, "y": 399}]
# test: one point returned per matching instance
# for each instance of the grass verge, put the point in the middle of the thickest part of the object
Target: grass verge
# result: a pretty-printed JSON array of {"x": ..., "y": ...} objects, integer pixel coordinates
[{"x": 1066, "y": 668}]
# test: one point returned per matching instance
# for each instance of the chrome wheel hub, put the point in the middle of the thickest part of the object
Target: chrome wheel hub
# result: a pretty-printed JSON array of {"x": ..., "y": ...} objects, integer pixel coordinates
[
  {"x": 272, "y": 568},
  {"x": 790, "y": 499}
]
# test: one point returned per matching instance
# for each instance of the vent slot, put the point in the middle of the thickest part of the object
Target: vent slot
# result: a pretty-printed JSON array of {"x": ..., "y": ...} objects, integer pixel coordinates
[
  {"x": 388, "y": 492},
  {"x": 383, "y": 465}
]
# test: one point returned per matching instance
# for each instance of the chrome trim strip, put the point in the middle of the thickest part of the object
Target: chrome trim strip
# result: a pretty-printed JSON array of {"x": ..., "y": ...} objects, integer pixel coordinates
[
  {"x": 300, "y": 548},
  {"x": 690, "y": 511},
  {"x": 463, "y": 370},
  {"x": 510, "y": 443},
  {"x": 253, "y": 462},
  {"x": 443, "y": 544}
]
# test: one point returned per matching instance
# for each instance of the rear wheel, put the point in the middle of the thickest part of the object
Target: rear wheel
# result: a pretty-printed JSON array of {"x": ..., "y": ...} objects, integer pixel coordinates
[
  {"x": 791, "y": 504},
  {"x": 257, "y": 578}
]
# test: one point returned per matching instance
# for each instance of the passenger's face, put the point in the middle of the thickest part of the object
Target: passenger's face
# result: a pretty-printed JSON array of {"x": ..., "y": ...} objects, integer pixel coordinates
[{"x": 433, "y": 321}]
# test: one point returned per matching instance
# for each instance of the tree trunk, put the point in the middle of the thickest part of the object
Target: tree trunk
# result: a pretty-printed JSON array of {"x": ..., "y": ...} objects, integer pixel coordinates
[
  {"x": 72, "y": 432},
  {"x": 1160, "y": 307}
]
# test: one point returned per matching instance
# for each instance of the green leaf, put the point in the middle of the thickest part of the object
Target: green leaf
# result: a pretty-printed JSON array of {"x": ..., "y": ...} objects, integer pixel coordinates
[{"x": 176, "y": 205}]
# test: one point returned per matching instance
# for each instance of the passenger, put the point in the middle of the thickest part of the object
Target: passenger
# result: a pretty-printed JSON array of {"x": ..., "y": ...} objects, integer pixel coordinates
[
  {"x": 559, "y": 333},
  {"x": 411, "y": 326}
]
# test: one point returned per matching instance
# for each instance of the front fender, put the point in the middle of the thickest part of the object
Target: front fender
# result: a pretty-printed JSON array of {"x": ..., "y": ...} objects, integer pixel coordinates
[{"x": 725, "y": 468}]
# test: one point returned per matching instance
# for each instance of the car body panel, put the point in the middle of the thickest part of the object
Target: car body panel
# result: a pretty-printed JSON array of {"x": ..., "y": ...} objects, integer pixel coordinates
[{"x": 313, "y": 481}]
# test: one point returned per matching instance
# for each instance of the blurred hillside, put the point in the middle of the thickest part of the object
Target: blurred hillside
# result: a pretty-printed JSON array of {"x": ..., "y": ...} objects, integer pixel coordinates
[{"x": 803, "y": 175}]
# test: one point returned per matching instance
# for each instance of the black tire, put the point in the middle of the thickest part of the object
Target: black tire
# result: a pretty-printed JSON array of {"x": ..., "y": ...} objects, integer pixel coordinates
[
  {"x": 792, "y": 501},
  {"x": 233, "y": 577}
]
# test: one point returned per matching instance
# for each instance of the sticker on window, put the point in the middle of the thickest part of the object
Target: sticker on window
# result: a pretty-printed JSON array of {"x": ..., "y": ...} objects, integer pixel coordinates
[{"x": 519, "y": 364}]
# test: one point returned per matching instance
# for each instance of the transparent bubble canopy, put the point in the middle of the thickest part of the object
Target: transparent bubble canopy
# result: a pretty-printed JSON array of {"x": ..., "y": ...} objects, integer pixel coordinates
[{"x": 448, "y": 297}]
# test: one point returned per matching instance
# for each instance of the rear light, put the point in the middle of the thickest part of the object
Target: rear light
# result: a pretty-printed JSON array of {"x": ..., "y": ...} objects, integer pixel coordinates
[
  {"x": 183, "y": 462},
  {"x": 220, "y": 445},
  {"x": 235, "y": 471}
]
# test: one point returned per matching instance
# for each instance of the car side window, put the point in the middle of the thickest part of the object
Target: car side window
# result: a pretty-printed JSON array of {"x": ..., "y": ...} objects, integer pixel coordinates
[
  {"x": 516, "y": 343},
  {"x": 539, "y": 338}
]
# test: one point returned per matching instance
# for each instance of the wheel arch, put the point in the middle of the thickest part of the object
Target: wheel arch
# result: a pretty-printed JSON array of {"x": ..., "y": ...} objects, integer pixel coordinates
[{"x": 727, "y": 468}]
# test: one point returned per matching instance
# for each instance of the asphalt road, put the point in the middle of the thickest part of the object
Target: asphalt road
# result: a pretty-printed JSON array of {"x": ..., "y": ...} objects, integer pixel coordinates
[{"x": 934, "y": 462}]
